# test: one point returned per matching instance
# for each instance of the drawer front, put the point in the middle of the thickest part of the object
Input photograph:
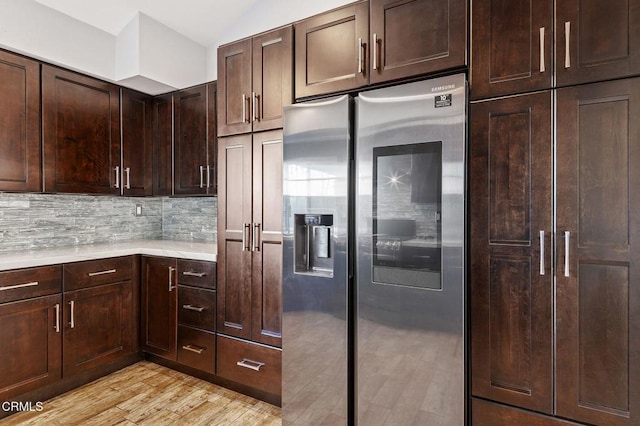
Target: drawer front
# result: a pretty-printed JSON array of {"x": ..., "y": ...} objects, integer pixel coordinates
[
  {"x": 251, "y": 364},
  {"x": 197, "y": 308},
  {"x": 97, "y": 272},
  {"x": 197, "y": 349},
  {"x": 197, "y": 273},
  {"x": 27, "y": 283}
]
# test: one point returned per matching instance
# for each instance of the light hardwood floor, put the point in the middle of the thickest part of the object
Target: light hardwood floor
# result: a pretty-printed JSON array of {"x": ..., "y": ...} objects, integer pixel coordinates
[{"x": 149, "y": 394}]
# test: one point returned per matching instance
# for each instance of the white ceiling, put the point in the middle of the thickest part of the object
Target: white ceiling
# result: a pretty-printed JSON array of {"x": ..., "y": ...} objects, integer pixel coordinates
[{"x": 200, "y": 20}]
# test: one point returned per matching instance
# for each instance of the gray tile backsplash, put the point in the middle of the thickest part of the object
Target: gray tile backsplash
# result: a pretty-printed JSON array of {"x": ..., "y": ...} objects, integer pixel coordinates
[{"x": 34, "y": 221}]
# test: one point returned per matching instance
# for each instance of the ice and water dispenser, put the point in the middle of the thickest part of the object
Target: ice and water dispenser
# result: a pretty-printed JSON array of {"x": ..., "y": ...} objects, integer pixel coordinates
[{"x": 313, "y": 244}]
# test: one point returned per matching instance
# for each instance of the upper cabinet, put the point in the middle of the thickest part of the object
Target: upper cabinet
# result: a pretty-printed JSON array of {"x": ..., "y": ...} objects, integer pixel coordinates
[
  {"x": 255, "y": 82},
  {"x": 162, "y": 144},
  {"x": 413, "y": 37},
  {"x": 81, "y": 133},
  {"x": 194, "y": 140},
  {"x": 20, "y": 166},
  {"x": 331, "y": 51},
  {"x": 136, "y": 121}
]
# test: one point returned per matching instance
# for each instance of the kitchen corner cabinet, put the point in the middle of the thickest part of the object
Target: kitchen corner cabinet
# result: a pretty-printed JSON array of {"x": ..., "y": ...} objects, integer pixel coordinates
[
  {"x": 250, "y": 237},
  {"x": 135, "y": 176},
  {"x": 30, "y": 329},
  {"x": 162, "y": 144},
  {"x": 80, "y": 133},
  {"x": 195, "y": 140},
  {"x": 20, "y": 162},
  {"x": 255, "y": 82}
]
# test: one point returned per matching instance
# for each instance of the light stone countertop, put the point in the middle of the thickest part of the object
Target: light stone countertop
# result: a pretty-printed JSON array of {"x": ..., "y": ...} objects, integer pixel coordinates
[{"x": 54, "y": 256}]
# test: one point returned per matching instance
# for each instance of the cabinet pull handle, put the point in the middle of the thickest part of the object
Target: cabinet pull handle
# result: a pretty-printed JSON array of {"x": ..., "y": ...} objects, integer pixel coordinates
[
  {"x": 193, "y": 308},
  {"x": 375, "y": 51},
  {"x": 194, "y": 274},
  {"x": 57, "y": 326},
  {"x": 250, "y": 364},
  {"x": 193, "y": 349},
  {"x": 567, "y": 35},
  {"x": 208, "y": 176},
  {"x": 127, "y": 170},
  {"x": 245, "y": 237},
  {"x": 567, "y": 238},
  {"x": 253, "y": 106},
  {"x": 117, "y": 170},
  {"x": 541, "y": 252},
  {"x": 72, "y": 321},
  {"x": 244, "y": 111},
  {"x": 171, "y": 270},
  {"x": 95, "y": 274},
  {"x": 542, "y": 67},
  {"x": 256, "y": 233},
  {"x": 359, "y": 55},
  {"x": 12, "y": 287},
  {"x": 201, "y": 176}
]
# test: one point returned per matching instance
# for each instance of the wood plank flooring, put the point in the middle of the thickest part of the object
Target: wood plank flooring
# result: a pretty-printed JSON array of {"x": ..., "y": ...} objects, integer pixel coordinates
[{"x": 149, "y": 394}]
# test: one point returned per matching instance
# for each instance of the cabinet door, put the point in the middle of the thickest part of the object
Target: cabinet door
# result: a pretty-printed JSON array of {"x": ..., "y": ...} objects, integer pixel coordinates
[
  {"x": 158, "y": 307},
  {"x": 20, "y": 166},
  {"x": 163, "y": 145},
  {"x": 190, "y": 141},
  {"x": 413, "y": 37},
  {"x": 212, "y": 139},
  {"x": 598, "y": 274},
  {"x": 30, "y": 332},
  {"x": 99, "y": 326},
  {"x": 137, "y": 145},
  {"x": 511, "y": 47},
  {"x": 80, "y": 134},
  {"x": 234, "y": 88},
  {"x": 266, "y": 239},
  {"x": 596, "y": 40},
  {"x": 234, "y": 234},
  {"x": 511, "y": 281},
  {"x": 272, "y": 78},
  {"x": 331, "y": 51}
]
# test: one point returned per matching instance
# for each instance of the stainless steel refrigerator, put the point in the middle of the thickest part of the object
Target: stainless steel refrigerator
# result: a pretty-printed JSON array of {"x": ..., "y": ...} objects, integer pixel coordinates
[{"x": 373, "y": 267}]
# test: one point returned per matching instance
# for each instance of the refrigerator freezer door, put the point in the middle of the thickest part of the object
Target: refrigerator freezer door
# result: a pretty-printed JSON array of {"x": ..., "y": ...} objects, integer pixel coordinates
[
  {"x": 410, "y": 285},
  {"x": 315, "y": 269}
]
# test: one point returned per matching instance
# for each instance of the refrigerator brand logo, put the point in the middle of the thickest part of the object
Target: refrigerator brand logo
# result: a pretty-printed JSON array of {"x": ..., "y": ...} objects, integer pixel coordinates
[{"x": 441, "y": 88}]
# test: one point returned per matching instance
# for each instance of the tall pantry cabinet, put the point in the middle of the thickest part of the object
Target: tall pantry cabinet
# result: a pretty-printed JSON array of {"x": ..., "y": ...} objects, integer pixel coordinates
[{"x": 554, "y": 250}]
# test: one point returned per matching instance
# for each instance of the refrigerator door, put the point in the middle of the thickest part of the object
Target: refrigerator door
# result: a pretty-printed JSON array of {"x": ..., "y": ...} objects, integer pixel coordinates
[
  {"x": 315, "y": 264},
  {"x": 410, "y": 232}
]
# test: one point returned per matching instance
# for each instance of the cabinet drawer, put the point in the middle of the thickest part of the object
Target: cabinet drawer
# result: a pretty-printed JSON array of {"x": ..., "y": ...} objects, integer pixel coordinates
[
  {"x": 251, "y": 364},
  {"x": 28, "y": 283},
  {"x": 197, "y": 348},
  {"x": 197, "y": 308},
  {"x": 97, "y": 272},
  {"x": 197, "y": 273}
]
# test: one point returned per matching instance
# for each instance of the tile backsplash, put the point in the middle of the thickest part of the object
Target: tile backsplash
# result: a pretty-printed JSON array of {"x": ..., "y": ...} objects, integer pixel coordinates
[{"x": 34, "y": 221}]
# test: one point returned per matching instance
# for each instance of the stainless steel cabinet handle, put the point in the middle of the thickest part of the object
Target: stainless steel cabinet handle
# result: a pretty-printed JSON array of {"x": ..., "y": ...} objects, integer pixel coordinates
[
  {"x": 374, "y": 48},
  {"x": 12, "y": 287},
  {"x": 359, "y": 55},
  {"x": 193, "y": 349},
  {"x": 128, "y": 172},
  {"x": 542, "y": 67},
  {"x": 171, "y": 270},
  {"x": 194, "y": 274},
  {"x": 567, "y": 35},
  {"x": 567, "y": 238},
  {"x": 201, "y": 176},
  {"x": 192, "y": 308},
  {"x": 256, "y": 229},
  {"x": 72, "y": 322},
  {"x": 57, "y": 326},
  {"x": 541, "y": 252},
  {"x": 250, "y": 364},
  {"x": 245, "y": 237},
  {"x": 244, "y": 111},
  {"x": 109, "y": 271},
  {"x": 208, "y": 176},
  {"x": 117, "y": 170},
  {"x": 253, "y": 106}
]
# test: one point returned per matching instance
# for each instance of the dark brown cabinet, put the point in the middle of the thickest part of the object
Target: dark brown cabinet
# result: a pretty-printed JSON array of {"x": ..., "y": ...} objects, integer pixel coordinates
[
  {"x": 20, "y": 162},
  {"x": 255, "y": 82},
  {"x": 250, "y": 237},
  {"x": 158, "y": 306},
  {"x": 414, "y": 37},
  {"x": 195, "y": 140},
  {"x": 137, "y": 145},
  {"x": 30, "y": 330},
  {"x": 80, "y": 133},
  {"x": 99, "y": 313},
  {"x": 163, "y": 144}
]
